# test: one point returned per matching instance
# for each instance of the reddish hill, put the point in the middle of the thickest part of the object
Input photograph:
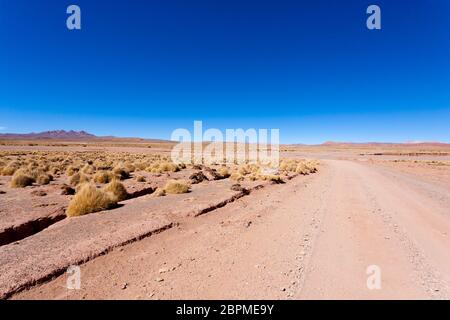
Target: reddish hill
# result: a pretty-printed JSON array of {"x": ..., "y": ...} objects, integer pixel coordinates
[{"x": 56, "y": 134}]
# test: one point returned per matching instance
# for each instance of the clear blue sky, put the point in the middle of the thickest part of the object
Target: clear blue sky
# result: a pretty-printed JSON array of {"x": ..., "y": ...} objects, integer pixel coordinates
[{"x": 310, "y": 68}]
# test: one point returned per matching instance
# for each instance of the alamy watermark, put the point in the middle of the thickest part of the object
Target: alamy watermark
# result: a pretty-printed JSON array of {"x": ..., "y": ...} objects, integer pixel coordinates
[
  {"x": 234, "y": 146},
  {"x": 73, "y": 281},
  {"x": 73, "y": 21},
  {"x": 374, "y": 277}
]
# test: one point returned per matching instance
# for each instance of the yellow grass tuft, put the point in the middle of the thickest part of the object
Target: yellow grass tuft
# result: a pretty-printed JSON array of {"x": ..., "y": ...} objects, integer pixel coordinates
[
  {"x": 89, "y": 199},
  {"x": 236, "y": 176},
  {"x": 78, "y": 178},
  {"x": 159, "y": 192},
  {"x": 121, "y": 173},
  {"x": 140, "y": 179},
  {"x": 117, "y": 189},
  {"x": 176, "y": 187},
  {"x": 71, "y": 170},
  {"x": 44, "y": 179},
  {"x": 103, "y": 177},
  {"x": 21, "y": 180},
  {"x": 224, "y": 172}
]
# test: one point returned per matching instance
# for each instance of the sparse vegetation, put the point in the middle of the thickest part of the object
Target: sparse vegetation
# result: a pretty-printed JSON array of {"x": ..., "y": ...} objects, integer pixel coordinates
[
  {"x": 140, "y": 179},
  {"x": 89, "y": 199},
  {"x": 176, "y": 187},
  {"x": 117, "y": 189},
  {"x": 103, "y": 177},
  {"x": 21, "y": 179},
  {"x": 159, "y": 192}
]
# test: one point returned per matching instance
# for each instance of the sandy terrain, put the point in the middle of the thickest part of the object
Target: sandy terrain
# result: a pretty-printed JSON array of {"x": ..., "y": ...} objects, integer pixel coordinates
[{"x": 313, "y": 237}]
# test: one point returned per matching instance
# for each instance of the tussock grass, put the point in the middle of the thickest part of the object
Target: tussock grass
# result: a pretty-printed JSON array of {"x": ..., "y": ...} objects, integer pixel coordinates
[
  {"x": 117, "y": 189},
  {"x": 44, "y": 178},
  {"x": 140, "y": 179},
  {"x": 159, "y": 192},
  {"x": 236, "y": 176},
  {"x": 224, "y": 172},
  {"x": 176, "y": 187},
  {"x": 10, "y": 169},
  {"x": 160, "y": 167},
  {"x": 89, "y": 199},
  {"x": 103, "y": 177},
  {"x": 71, "y": 170},
  {"x": 121, "y": 173},
  {"x": 78, "y": 178},
  {"x": 21, "y": 179}
]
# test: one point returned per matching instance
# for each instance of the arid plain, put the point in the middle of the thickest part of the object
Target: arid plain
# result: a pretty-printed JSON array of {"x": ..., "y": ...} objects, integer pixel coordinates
[{"x": 150, "y": 229}]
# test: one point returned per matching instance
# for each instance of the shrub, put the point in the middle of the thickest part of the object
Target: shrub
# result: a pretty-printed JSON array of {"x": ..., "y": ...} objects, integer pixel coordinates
[
  {"x": 103, "y": 177},
  {"x": 44, "y": 179},
  {"x": 9, "y": 170},
  {"x": 117, "y": 189},
  {"x": 78, "y": 178},
  {"x": 21, "y": 180},
  {"x": 236, "y": 176},
  {"x": 88, "y": 169},
  {"x": 162, "y": 167},
  {"x": 71, "y": 170},
  {"x": 224, "y": 172},
  {"x": 89, "y": 199},
  {"x": 272, "y": 178},
  {"x": 121, "y": 173},
  {"x": 176, "y": 187}
]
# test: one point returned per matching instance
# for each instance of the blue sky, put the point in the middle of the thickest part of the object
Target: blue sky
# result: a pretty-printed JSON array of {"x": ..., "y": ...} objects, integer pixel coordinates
[{"x": 310, "y": 68}]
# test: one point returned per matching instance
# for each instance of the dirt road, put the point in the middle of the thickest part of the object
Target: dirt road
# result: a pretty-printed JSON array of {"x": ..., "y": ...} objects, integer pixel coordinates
[{"x": 314, "y": 237}]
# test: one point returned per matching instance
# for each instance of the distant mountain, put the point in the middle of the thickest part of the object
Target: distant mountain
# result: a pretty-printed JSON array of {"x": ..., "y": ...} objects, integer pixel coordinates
[{"x": 56, "y": 134}]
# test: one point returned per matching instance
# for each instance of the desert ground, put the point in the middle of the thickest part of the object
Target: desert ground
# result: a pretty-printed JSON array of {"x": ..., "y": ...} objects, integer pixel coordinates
[{"x": 161, "y": 231}]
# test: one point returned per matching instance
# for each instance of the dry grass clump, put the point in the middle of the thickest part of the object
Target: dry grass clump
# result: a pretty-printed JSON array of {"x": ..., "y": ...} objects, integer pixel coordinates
[
  {"x": 236, "y": 176},
  {"x": 78, "y": 178},
  {"x": 176, "y": 187},
  {"x": 160, "y": 167},
  {"x": 121, "y": 173},
  {"x": 159, "y": 192},
  {"x": 298, "y": 166},
  {"x": 103, "y": 177},
  {"x": 44, "y": 179},
  {"x": 117, "y": 189},
  {"x": 21, "y": 179},
  {"x": 71, "y": 170},
  {"x": 271, "y": 177},
  {"x": 306, "y": 168},
  {"x": 140, "y": 179},
  {"x": 224, "y": 172},
  {"x": 89, "y": 199},
  {"x": 10, "y": 168},
  {"x": 88, "y": 169}
]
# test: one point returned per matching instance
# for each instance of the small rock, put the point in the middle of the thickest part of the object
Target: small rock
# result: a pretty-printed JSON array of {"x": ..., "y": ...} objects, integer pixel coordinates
[
  {"x": 197, "y": 177},
  {"x": 283, "y": 289},
  {"x": 39, "y": 193},
  {"x": 124, "y": 286},
  {"x": 163, "y": 270},
  {"x": 159, "y": 279},
  {"x": 67, "y": 190}
]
